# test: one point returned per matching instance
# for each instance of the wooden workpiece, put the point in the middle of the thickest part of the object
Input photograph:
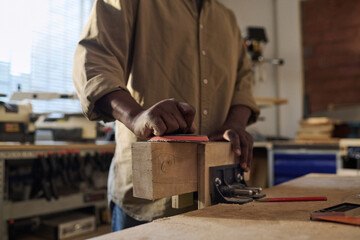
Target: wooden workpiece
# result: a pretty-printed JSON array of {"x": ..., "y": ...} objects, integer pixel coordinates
[
  {"x": 260, "y": 220},
  {"x": 162, "y": 169}
]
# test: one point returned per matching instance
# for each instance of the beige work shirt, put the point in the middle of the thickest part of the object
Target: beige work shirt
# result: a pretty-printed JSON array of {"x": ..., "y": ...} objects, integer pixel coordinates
[{"x": 160, "y": 49}]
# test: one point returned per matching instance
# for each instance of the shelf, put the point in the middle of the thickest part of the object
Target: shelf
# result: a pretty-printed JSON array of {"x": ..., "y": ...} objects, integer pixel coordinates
[
  {"x": 51, "y": 145},
  {"x": 267, "y": 102},
  {"x": 15, "y": 210}
]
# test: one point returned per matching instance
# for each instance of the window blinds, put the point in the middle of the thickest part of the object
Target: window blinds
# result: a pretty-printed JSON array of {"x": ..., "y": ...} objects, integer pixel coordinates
[{"x": 37, "y": 45}]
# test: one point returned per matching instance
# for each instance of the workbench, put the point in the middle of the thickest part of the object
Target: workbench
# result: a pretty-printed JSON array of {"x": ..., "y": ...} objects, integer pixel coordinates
[{"x": 261, "y": 220}]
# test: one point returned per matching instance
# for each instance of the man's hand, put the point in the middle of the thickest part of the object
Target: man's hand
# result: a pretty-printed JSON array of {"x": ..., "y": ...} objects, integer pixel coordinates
[
  {"x": 167, "y": 116},
  {"x": 234, "y": 131},
  {"x": 241, "y": 144}
]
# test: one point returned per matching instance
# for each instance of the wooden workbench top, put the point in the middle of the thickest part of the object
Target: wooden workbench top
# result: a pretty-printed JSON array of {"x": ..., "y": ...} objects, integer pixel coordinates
[{"x": 260, "y": 220}]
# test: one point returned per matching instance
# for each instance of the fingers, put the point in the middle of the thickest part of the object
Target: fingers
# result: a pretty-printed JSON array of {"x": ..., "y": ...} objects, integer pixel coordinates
[
  {"x": 167, "y": 116},
  {"x": 171, "y": 122},
  {"x": 177, "y": 116},
  {"x": 157, "y": 126},
  {"x": 188, "y": 113},
  {"x": 193, "y": 128},
  {"x": 245, "y": 152},
  {"x": 249, "y": 159},
  {"x": 250, "y": 149},
  {"x": 233, "y": 138},
  {"x": 241, "y": 144}
]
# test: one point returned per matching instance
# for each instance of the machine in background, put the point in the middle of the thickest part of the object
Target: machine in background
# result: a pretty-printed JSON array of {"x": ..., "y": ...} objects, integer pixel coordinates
[
  {"x": 72, "y": 127},
  {"x": 17, "y": 122},
  {"x": 255, "y": 43}
]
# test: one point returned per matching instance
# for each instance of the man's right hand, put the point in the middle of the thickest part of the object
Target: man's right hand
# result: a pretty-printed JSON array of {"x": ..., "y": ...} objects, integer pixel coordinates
[{"x": 166, "y": 116}]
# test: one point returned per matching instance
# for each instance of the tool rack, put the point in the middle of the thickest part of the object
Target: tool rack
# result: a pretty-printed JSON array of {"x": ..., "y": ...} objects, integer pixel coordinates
[{"x": 10, "y": 210}]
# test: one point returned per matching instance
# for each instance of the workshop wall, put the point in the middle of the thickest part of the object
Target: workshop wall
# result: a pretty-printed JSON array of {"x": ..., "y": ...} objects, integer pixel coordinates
[
  {"x": 331, "y": 40},
  {"x": 290, "y": 76},
  {"x": 281, "y": 19},
  {"x": 260, "y": 13}
]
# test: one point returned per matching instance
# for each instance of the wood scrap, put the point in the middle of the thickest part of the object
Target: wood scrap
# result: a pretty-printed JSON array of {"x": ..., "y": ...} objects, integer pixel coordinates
[{"x": 316, "y": 129}]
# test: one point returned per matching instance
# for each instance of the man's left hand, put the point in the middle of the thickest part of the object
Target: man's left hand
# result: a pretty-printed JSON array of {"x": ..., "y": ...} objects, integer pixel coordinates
[
  {"x": 241, "y": 144},
  {"x": 234, "y": 131}
]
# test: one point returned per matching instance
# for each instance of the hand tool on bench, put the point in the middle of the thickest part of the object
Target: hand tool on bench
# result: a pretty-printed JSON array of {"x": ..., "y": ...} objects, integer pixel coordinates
[
  {"x": 346, "y": 213},
  {"x": 229, "y": 185}
]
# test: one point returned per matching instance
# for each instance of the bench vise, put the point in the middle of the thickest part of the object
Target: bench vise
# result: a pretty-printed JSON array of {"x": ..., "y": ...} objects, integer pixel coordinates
[{"x": 229, "y": 186}]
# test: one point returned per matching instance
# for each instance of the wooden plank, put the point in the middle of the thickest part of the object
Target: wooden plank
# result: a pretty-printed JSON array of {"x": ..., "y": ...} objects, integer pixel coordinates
[
  {"x": 182, "y": 201},
  {"x": 163, "y": 169},
  {"x": 259, "y": 220}
]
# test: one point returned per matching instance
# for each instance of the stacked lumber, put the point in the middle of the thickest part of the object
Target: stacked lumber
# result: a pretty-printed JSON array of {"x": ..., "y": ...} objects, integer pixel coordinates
[{"x": 314, "y": 129}]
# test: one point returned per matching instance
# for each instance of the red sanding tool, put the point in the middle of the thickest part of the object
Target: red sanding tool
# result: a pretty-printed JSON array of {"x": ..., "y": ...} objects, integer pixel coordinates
[{"x": 180, "y": 138}]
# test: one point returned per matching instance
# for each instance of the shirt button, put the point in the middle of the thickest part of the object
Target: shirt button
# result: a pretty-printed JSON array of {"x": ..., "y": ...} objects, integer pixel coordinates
[
  {"x": 203, "y": 52},
  {"x": 205, "y": 112},
  {"x": 205, "y": 81},
  {"x": 201, "y": 26}
]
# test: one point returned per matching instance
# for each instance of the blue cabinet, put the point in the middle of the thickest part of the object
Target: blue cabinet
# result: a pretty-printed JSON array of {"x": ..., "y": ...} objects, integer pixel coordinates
[{"x": 288, "y": 166}]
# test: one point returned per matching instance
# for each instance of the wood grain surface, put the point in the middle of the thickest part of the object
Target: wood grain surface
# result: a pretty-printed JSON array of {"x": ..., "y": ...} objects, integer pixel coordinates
[
  {"x": 162, "y": 169},
  {"x": 260, "y": 220}
]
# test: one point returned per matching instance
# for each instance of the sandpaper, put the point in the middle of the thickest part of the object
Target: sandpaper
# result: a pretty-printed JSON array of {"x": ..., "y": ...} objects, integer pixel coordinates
[{"x": 180, "y": 138}]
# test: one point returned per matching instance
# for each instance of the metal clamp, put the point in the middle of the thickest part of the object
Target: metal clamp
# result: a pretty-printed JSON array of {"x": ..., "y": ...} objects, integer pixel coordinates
[{"x": 229, "y": 186}]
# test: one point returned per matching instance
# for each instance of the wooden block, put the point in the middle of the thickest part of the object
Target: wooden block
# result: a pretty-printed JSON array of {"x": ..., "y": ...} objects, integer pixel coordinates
[
  {"x": 164, "y": 169},
  {"x": 247, "y": 175},
  {"x": 182, "y": 201}
]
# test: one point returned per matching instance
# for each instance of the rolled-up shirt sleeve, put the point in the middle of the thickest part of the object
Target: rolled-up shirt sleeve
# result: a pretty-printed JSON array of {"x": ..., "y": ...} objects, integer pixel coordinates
[
  {"x": 243, "y": 92},
  {"x": 102, "y": 60}
]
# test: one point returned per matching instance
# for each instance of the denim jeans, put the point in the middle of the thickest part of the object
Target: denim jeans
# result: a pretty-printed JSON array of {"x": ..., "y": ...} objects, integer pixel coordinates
[{"x": 120, "y": 220}]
